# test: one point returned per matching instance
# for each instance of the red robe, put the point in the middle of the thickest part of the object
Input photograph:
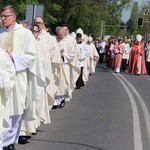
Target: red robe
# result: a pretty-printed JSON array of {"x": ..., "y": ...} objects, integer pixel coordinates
[
  {"x": 108, "y": 55},
  {"x": 118, "y": 51},
  {"x": 137, "y": 60}
]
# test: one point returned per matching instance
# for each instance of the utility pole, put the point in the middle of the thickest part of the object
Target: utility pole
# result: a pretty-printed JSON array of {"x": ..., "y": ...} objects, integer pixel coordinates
[
  {"x": 34, "y": 11},
  {"x": 102, "y": 25}
]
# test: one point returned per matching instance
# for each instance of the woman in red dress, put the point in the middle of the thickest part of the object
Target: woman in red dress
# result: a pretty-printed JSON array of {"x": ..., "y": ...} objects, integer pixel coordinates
[{"x": 118, "y": 51}]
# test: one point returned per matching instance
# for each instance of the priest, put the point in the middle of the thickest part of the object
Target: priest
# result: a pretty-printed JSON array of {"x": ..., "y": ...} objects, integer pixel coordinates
[{"x": 20, "y": 44}]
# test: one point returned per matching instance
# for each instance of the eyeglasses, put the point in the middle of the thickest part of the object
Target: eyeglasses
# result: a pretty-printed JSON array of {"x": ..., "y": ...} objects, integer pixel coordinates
[
  {"x": 39, "y": 23},
  {"x": 5, "y": 16}
]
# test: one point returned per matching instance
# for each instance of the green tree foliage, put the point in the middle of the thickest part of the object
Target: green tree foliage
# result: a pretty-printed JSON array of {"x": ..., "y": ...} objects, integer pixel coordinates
[
  {"x": 91, "y": 14},
  {"x": 52, "y": 11},
  {"x": 86, "y": 14},
  {"x": 88, "y": 17},
  {"x": 115, "y": 9},
  {"x": 1, "y": 3},
  {"x": 132, "y": 23},
  {"x": 145, "y": 14}
]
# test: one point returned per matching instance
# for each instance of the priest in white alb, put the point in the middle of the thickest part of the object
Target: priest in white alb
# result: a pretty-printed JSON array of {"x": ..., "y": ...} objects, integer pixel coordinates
[
  {"x": 65, "y": 77},
  {"x": 21, "y": 47},
  {"x": 75, "y": 64},
  {"x": 93, "y": 55},
  {"x": 7, "y": 81}
]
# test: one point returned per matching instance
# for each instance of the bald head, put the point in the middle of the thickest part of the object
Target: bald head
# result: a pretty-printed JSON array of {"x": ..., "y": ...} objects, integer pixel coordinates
[{"x": 60, "y": 32}]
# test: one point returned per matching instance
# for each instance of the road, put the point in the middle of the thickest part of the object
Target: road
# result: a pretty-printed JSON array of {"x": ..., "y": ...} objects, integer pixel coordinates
[{"x": 111, "y": 112}]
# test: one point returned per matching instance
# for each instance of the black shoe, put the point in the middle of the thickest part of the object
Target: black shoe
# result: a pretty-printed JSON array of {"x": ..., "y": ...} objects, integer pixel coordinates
[
  {"x": 22, "y": 140},
  {"x": 62, "y": 103},
  {"x": 5, "y": 148},
  {"x": 35, "y": 133},
  {"x": 28, "y": 137},
  {"x": 11, "y": 147},
  {"x": 56, "y": 106},
  {"x": 77, "y": 87},
  {"x": 82, "y": 85}
]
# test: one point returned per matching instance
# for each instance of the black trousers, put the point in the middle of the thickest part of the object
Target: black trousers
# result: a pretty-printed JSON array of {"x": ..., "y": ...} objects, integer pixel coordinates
[
  {"x": 101, "y": 59},
  {"x": 124, "y": 65},
  {"x": 80, "y": 81},
  {"x": 148, "y": 67},
  {"x": 107, "y": 60}
]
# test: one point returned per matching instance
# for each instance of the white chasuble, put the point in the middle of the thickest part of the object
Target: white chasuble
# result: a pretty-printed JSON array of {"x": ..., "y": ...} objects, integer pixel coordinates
[
  {"x": 93, "y": 57},
  {"x": 22, "y": 45},
  {"x": 7, "y": 78},
  {"x": 66, "y": 67}
]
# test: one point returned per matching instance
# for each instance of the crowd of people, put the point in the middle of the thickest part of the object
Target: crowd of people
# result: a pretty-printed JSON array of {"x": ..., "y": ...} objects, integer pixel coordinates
[
  {"x": 132, "y": 56},
  {"x": 39, "y": 72}
]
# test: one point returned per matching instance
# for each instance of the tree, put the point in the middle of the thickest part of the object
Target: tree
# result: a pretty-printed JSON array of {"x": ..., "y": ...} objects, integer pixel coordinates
[
  {"x": 115, "y": 9},
  {"x": 91, "y": 13},
  {"x": 145, "y": 14},
  {"x": 52, "y": 11},
  {"x": 88, "y": 18},
  {"x": 132, "y": 23},
  {"x": 87, "y": 14}
]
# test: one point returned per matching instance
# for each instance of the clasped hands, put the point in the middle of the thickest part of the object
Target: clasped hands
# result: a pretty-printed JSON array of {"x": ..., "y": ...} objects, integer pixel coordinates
[{"x": 9, "y": 54}]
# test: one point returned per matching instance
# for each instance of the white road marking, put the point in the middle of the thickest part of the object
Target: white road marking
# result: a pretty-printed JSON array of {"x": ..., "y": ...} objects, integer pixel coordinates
[
  {"x": 136, "y": 122},
  {"x": 143, "y": 106}
]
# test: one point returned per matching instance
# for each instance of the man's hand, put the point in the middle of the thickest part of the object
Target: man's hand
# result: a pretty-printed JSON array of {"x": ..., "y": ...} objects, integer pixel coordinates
[
  {"x": 10, "y": 54},
  {"x": 62, "y": 54},
  {"x": 62, "y": 50},
  {"x": 95, "y": 57}
]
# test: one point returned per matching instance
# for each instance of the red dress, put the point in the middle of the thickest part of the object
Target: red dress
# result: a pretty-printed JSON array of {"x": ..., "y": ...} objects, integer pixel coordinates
[
  {"x": 137, "y": 60},
  {"x": 118, "y": 55}
]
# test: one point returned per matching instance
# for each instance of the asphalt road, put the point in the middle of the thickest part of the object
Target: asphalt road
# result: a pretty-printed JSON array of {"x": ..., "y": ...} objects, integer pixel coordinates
[{"x": 111, "y": 112}]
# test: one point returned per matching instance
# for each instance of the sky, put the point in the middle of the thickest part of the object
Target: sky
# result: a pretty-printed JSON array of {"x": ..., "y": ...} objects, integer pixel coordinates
[{"x": 126, "y": 13}]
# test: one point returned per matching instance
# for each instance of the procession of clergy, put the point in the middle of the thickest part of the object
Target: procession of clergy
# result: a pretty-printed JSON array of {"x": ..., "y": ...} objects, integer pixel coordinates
[
  {"x": 125, "y": 55},
  {"x": 38, "y": 72}
]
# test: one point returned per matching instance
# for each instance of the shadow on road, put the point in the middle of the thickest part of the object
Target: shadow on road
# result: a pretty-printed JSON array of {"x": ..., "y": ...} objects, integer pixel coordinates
[{"x": 71, "y": 143}]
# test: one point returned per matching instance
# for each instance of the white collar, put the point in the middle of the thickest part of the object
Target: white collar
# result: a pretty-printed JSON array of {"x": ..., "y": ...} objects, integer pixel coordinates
[{"x": 15, "y": 27}]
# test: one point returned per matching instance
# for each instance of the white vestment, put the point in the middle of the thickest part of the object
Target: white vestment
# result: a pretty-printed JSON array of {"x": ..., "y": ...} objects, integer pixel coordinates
[
  {"x": 50, "y": 88},
  {"x": 55, "y": 56},
  {"x": 127, "y": 50},
  {"x": 47, "y": 54},
  {"x": 7, "y": 81},
  {"x": 84, "y": 63},
  {"x": 93, "y": 57},
  {"x": 75, "y": 64},
  {"x": 22, "y": 44},
  {"x": 30, "y": 126},
  {"x": 66, "y": 82}
]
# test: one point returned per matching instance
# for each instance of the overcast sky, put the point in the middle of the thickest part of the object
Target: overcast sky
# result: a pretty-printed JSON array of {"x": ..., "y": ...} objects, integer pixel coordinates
[{"x": 126, "y": 13}]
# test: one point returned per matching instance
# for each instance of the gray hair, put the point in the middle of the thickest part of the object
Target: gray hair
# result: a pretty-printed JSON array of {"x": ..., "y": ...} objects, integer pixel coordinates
[
  {"x": 59, "y": 28},
  {"x": 11, "y": 8}
]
